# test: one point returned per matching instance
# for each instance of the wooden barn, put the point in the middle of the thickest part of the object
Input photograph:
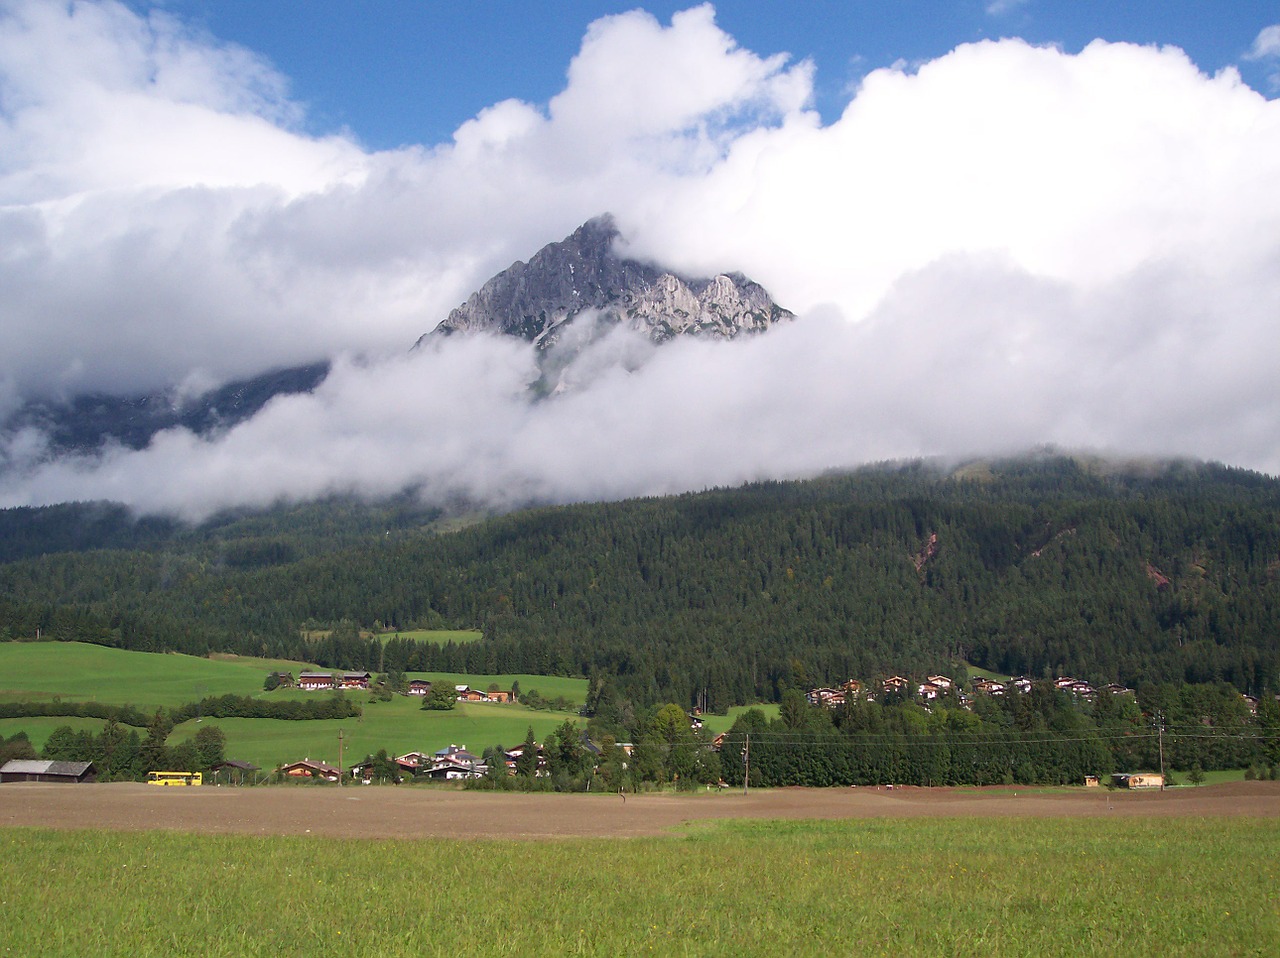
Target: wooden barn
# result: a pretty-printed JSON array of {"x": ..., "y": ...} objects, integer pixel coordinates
[{"x": 42, "y": 770}]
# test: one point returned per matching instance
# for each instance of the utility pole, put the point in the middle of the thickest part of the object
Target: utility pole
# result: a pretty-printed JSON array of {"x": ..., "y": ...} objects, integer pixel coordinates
[
  {"x": 746, "y": 762},
  {"x": 1160, "y": 742},
  {"x": 339, "y": 757}
]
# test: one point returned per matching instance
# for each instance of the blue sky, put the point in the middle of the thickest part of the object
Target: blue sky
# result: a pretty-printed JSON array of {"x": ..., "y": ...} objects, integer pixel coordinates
[
  {"x": 1067, "y": 234},
  {"x": 411, "y": 71}
]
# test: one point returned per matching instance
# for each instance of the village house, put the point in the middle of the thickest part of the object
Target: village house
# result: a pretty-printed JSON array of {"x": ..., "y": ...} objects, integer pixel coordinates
[
  {"x": 941, "y": 681},
  {"x": 513, "y": 756},
  {"x": 1113, "y": 688},
  {"x": 467, "y": 694},
  {"x": 362, "y": 772},
  {"x": 323, "y": 681},
  {"x": 413, "y": 760},
  {"x": 310, "y": 769},
  {"x": 826, "y": 697},
  {"x": 988, "y": 687},
  {"x": 834, "y": 698},
  {"x": 452, "y": 769},
  {"x": 929, "y": 691},
  {"x": 457, "y": 753},
  {"x": 419, "y": 687},
  {"x": 895, "y": 683}
]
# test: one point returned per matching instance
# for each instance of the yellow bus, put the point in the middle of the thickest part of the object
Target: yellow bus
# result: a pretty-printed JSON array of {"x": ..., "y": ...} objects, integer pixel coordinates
[{"x": 174, "y": 778}]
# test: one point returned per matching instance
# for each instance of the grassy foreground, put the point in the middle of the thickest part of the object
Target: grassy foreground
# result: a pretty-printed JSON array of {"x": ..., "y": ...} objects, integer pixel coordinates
[{"x": 879, "y": 887}]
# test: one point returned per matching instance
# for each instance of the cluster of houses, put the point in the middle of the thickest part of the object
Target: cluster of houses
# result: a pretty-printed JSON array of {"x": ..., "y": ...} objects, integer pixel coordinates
[
  {"x": 323, "y": 681},
  {"x": 936, "y": 686},
  {"x": 329, "y": 681},
  {"x": 451, "y": 763}
]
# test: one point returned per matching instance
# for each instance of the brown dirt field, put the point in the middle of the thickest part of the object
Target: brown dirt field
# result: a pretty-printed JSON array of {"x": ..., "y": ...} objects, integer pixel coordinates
[{"x": 390, "y": 812}]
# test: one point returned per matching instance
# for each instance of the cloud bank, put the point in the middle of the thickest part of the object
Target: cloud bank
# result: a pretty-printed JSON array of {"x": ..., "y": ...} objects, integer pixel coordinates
[{"x": 1008, "y": 246}]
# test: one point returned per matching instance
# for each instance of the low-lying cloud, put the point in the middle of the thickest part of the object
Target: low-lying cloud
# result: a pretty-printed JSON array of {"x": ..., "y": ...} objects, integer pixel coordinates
[{"x": 1009, "y": 246}]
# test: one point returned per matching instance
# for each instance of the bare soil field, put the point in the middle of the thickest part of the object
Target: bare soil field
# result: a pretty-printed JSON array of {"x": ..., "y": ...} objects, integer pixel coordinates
[{"x": 409, "y": 812}]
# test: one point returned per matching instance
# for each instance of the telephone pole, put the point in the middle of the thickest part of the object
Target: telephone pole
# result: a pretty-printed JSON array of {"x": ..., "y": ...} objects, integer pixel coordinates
[
  {"x": 1160, "y": 742},
  {"x": 339, "y": 757},
  {"x": 746, "y": 763}
]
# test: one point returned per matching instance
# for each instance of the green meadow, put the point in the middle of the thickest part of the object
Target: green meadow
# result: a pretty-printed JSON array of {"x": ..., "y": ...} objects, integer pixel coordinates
[
  {"x": 715, "y": 724},
  {"x": 435, "y": 636},
  {"x": 944, "y": 887},
  {"x": 76, "y": 672},
  {"x": 38, "y": 728},
  {"x": 399, "y": 726}
]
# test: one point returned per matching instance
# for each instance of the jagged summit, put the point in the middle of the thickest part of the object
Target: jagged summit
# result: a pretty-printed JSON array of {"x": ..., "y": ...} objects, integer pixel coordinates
[{"x": 538, "y": 300}]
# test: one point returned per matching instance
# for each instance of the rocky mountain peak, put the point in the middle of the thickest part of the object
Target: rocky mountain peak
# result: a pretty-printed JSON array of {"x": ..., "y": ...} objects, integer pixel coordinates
[{"x": 582, "y": 274}]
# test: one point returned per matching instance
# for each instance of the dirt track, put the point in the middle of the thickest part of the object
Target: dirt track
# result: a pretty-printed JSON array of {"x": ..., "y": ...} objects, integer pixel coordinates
[{"x": 390, "y": 812}]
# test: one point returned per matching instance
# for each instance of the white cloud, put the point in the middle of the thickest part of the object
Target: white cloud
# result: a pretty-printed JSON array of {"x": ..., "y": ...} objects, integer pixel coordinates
[
  {"x": 1266, "y": 47},
  {"x": 1267, "y": 44},
  {"x": 1007, "y": 246},
  {"x": 998, "y": 8}
]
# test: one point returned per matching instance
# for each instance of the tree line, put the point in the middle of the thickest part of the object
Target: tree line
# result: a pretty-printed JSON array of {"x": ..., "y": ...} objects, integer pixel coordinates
[{"x": 219, "y": 706}]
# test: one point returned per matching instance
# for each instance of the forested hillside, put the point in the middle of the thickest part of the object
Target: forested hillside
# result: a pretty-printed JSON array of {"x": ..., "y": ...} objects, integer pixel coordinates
[{"x": 1045, "y": 566}]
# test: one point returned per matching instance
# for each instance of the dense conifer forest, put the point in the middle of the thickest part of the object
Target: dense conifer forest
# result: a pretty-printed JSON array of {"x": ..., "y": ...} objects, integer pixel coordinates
[{"x": 1042, "y": 566}]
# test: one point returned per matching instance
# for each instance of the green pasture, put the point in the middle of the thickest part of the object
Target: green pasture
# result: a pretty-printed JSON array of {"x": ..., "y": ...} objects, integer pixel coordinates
[
  {"x": 399, "y": 726},
  {"x": 434, "y": 636},
  {"x": 715, "y": 724},
  {"x": 942, "y": 887},
  {"x": 73, "y": 671},
  {"x": 1215, "y": 777},
  {"x": 977, "y": 673},
  {"x": 40, "y": 671},
  {"x": 38, "y": 728}
]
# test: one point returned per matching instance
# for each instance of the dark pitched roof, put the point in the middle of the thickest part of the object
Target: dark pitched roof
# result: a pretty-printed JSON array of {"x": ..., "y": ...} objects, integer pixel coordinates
[{"x": 31, "y": 766}]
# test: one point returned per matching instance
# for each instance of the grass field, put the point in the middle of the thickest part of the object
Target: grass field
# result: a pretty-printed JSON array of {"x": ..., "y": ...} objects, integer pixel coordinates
[
  {"x": 977, "y": 673},
  {"x": 435, "y": 636},
  {"x": 77, "y": 672},
  {"x": 38, "y": 729},
  {"x": 954, "y": 887},
  {"x": 715, "y": 724},
  {"x": 399, "y": 726}
]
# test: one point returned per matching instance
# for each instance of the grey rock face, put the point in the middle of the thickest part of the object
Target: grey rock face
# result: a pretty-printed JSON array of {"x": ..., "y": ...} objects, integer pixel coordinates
[{"x": 538, "y": 300}]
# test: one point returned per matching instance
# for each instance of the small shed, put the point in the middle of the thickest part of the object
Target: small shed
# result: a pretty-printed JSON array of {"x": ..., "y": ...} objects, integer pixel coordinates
[{"x": 43, "y": 770}]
